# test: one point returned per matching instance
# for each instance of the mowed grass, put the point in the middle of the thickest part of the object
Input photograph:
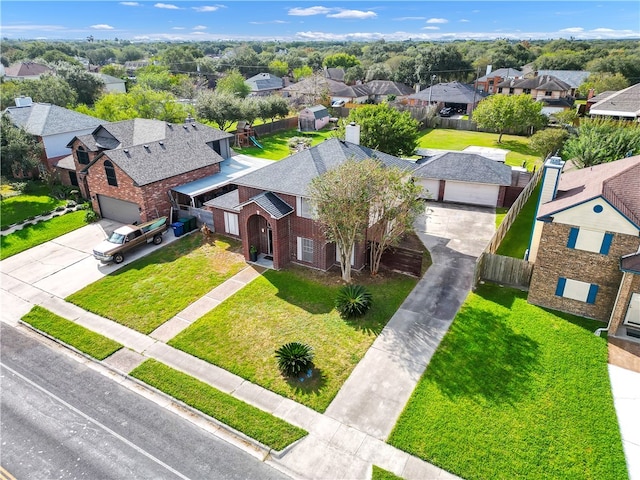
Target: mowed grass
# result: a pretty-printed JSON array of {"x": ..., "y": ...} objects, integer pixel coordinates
[
  {"x": 516, "y": 241},
  {"x": 91, "y": 343},
  {"x": 20, "y": 207},
  {"x": 447, "y": 139},
  {"x": 515, "y": 391},
  {"x": 382, "y": 474},
  {"x": 253, "y": 422},
  {"x": 242, "y": 334},
  {"x": 151, "y": 290},
  {"x": 33, "y": 235},
  {"x": 276, "y": 145}
]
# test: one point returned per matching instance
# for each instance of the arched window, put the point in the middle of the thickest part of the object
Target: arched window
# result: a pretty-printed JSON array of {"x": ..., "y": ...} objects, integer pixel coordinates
[
  {"x": 83, "y": 156},
  {"x": 111, "y": 173}
]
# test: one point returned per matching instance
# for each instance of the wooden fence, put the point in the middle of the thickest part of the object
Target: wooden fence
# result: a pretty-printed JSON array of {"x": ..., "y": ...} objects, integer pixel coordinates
[
  {"x": 277, "y": 126},
  {"x": 506, "y": 270}
]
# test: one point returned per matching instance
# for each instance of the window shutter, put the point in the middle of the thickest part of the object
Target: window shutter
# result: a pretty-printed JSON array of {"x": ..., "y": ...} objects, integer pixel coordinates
[
  {"x": 560, "y": 287},
  {"x": 573, "y": 237},
  {"x": 606, "y": 243},
  {"x": 299, "y": 252},
  {"x": 593, "y": 291}
]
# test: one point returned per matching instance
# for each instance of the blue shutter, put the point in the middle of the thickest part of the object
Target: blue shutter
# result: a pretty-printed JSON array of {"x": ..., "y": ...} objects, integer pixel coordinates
[
  {"x": 560, "y": 287},
  {"x": 573, "y": 236},
  {"x": 606, "y": 243},
  {"x": 593, "y": 291}
]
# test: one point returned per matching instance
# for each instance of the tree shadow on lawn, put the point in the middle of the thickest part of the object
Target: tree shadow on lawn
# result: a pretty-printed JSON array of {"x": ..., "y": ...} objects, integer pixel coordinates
[
  {"x": 483, "y": 358},
  {"x": 307, "y": 385},
  {"x": 588, "y": 324},
  {"x": 496, "y": 293}
]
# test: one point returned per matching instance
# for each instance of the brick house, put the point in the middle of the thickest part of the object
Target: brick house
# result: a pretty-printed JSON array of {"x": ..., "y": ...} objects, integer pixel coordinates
[
  {"x": 128, "y": 168},
  {"x": 487, "y": 82},
  {"x": 585, "y": 244},
  {"x": 555, "y": 94},
  {"x": 270, "y": 208}
]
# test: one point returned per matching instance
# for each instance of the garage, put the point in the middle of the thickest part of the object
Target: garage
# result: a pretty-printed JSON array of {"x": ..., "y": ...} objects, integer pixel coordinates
[
  {"x": 119, "y": 210},
  {"x": 471, "y": 193},
  {"x": 430, "y": 188}
]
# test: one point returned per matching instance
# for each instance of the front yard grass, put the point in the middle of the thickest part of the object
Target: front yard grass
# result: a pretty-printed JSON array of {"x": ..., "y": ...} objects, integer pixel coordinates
[
  {"x": 20, "y": 207},
  {"x": 448, "y": 139},
  {"x": 77, "y": 336},
  {"x": 151, "y": 290},
  {"x": 515, "y": 391},
  {"x": 32, "y": 235},
  {"x": 242, "y": 334},
  {"x": 253, "y": 422},
  {"x": 275, "y": 146},
  {"x": 516, "y": 241}
]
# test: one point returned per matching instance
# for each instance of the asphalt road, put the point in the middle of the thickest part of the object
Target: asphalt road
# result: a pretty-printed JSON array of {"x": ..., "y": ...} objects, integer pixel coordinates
[{"x": 61, "y": 419}]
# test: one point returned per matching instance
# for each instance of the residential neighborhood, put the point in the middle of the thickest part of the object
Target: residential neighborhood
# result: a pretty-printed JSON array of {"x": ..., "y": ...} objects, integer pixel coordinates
[{"x": 323, "y": 259}]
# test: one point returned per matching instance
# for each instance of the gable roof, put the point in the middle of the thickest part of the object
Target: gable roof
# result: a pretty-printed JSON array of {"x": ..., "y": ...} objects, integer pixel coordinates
[
  {"x": 453, "y": 92},
  {"x": 617, "y": 182},
  {"x": 107, "y": 79},
  {"x": 465, "y": 167},
  {"x": 292, "y": 174},
  {"x": 26, "y": 69},
  {"x": 315, "y": 85},
  {"x": 152, "y": 150},
  {"x": 541, "y": 82},
  {"x": 574, "y": 78},
  {"x": 625, "y": 103},
  {"x": 601, "y": 96},
  {"x": 318, "y": 111},
  {"x": 272, "y": 204},
  {"x": 334, "y": 73},
  {"x": 44, "y": 119},
  {"x": 264, "y": 81},
  {"x": 502, "y": 73},
  {"x": 387, "y": 87}
]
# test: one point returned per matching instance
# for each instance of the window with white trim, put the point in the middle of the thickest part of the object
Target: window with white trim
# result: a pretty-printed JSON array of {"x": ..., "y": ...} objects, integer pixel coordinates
[
  {"x": 576, "y": 290},
  {"x": 305, "y": 250},
  {"x": 304, "y": 208},
  {"x": 632, "y": 318},
  {"x": 589, "y": 240},
  {"x": 231, "y": 223}
]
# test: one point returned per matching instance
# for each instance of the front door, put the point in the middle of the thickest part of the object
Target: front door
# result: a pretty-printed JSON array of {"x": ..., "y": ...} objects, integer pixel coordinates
[{"x": 269, "y": 240}]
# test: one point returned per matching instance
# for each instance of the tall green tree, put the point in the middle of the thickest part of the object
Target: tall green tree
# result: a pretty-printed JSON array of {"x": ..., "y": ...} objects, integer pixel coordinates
[
  {"x": 340, "y": 60},
  {"x": 548, "y": 141},
  {"x": 386, "y": 129},
  {"x": 88, "y": 87},
  {"x": 279, "y": 68},
  {"x": 233, "y": 83},
  {"x": 223, "y": 109},
  {"x": 20, "y": 151},
  {"x": 507, "y": 112},
  {"x": 603, "y": 81}
]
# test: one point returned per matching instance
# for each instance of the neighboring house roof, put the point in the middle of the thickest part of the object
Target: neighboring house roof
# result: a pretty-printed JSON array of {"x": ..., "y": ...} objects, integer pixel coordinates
[
  {"x": 26, "y": 69},
  {"x": 601, "y": 96},
  {"x": 44, "y": 119},
  {"x": 152, "y": 150},
  {"x": 453, "y": 92},
  {"x": 630, "y": 263},
  {"x": 502, "y": 73},
  {"x": 67, "y": 163},
  {"x": 318, "y": 111},
  {"x": 316, "y": 85},
  {"x": 334, "y": 74},
  {"x": 292, "y": 174},
  {"x": 108, "y": 79},
  {"x": 617, "y": 182},
  {"x": 465, "y": 167},
  {"x": 264, "y": 81},
  {"x": 387, "y": 87},
  {"x": 625, "y": 103},
  {"x": 574, "y": 78},
  {"x": 541, "y": 82},
  {"x": 228, "y": 201},
  {"x": 272, "y": 204}
]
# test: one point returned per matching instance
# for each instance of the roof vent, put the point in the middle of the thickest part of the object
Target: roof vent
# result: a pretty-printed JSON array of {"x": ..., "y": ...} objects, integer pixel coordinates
[
  {"x": 185, "y": 127},
  {"x": 193, "y": 125},
  {"x": 161, "y": 143},
  {"x": 170, "y": 125},
  {"x": 126, "y": 150},
  {"x": 146, "y": 147}
]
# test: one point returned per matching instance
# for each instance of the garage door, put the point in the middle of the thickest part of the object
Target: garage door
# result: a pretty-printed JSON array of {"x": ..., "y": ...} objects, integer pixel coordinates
[
  {"x": 471, "y": 193},
  {"x": 119, "y": 210},
  {"x": 429, "y": 186}
]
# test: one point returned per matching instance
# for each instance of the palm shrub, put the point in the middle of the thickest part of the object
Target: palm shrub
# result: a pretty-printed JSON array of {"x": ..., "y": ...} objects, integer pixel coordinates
[
  {"x": 294, "y": 357},
  {"x": 353, "y": 301}
]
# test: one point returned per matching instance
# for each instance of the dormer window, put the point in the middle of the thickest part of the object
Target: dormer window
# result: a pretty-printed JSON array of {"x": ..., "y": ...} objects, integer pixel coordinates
[
  {"x": 110, "y": 172},
  {"x": 83, "y": 156}
]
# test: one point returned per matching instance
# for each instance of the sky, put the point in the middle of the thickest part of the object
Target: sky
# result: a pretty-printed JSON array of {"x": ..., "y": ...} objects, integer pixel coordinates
[{"x": 304, "y": 20}]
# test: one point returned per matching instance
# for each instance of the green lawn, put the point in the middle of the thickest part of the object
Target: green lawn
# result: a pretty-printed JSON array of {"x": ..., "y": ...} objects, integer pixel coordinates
[
  {"x": 382, "y": 474},
  {"x": 151, "y": 290},
  {"x": 42, "y": 232},
  {"x": 516, "y": 241},
  {"x": 515, "y": 391},
  {"x": 253, "y": 422},
  {"x": 77, "y": 336},
  {"x": 501, "y": 212},
  {"x": 242, "y": 334},
  {"x": 18, "y": 208},
  {"x": 460, "y": 139},
  {"x": 275, "y": 146}
]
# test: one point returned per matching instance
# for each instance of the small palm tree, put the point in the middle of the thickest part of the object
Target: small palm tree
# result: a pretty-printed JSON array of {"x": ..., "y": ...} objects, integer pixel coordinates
[
  {"x": 353, "y": 301},
  {"x": 293, "y": 358}
]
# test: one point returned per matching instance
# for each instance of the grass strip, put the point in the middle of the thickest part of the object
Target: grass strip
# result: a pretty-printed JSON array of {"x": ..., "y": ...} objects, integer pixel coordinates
[
  {"x": 253, "y": 422},
  {"x": 37, "y": 201},
  {"x": 91, "y": 343},
  {"x": 33, "y": 235},
  {"x": 516, "y": 241},
  {"x": 382, "y": 474}
]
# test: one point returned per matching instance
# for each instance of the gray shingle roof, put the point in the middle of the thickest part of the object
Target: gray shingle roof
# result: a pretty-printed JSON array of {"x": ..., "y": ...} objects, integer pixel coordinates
[
  {"x": 574, "y": 78},
  {"x": 465, "y": 167},
  {"x": 541, "y": 82},
  {"x": 387, "y": 87},
  {"x": 292, "y": 174},
  {"x": 502, "y": 73},
  {"x": 453, "y": 92},
  {"x": 272, "y": 204},
  {"x": 264, "y": 81},
  {"x": 623, "y": 103},
  {"x": 318, "y": 111},
  {"x": 44, "y": 119},
  {"x": 313, "y": 85},
  {"x": 228, "y": 201}
]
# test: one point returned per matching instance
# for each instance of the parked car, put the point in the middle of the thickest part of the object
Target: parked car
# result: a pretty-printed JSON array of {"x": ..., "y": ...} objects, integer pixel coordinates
[
  {"x": 128, "y": 237},
  {"x": 338, "y": 103},
  {"x": 446, "y": 112}
]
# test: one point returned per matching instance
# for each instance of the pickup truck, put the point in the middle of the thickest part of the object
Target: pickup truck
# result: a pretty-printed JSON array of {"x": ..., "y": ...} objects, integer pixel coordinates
[{"x": 128, "y": 237}]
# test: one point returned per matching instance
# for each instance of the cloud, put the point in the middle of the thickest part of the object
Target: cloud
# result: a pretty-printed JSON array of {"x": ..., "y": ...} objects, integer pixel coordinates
[
  {"x": 199, "y": 27},
  {"x": 357, "y": 14},
  {"x": 404, "y": 19},
  {"x": 572, "y": 30},
  {"x": 437, "y": 20},
  {"x": 102, "y": 26},
  {"x": 207, "y": 8},
  {"x": 177, "y": 28},
  {"x": 268, "y": 23},
  {"x": 131, "y": 4},
  {"x": 464, "y": 20},
  {"x": 603, "y": 30},
  {"x": 167, "y": 6},
  {"x": 430, "y": 28},
  {"x": 306, "y": 12}
]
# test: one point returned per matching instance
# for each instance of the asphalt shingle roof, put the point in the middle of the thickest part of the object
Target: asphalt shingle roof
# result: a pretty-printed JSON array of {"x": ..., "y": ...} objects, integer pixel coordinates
[
  {"x": 465, "y": 167},
  {"x": 623, "y": 103},
  {"x": 313, "y": 85},
  {"x": 292, "y": 174},
  {"x": 453, "y": 92},
  {"x": 387, "y": 87},
  {"x": 228, "y": 201},
  {"x": 26, "y": 69},
  {"x": 264, "y": 81},
  {"x": 541, "y": 82},
  {"x": 502, "y": 73},
  {"x": 574, "y": 78},
  {"x": 44, "y": 119},
  {"x": 318, "y": 111},
  {"x": 272, "y": 204}
]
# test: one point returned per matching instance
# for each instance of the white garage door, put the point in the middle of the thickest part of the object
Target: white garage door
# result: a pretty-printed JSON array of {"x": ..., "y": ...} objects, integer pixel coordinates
[
  {"x": 472, "y": 193},
  {"x": 430, "y": 188},
  {"x": 119, "y": 210}
]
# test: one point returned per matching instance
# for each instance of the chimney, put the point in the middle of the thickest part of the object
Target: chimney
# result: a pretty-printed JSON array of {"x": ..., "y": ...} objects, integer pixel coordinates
[
  {"x": 550, "y": 178},
  {"x": 23, "y": 101},
  {"x": 489, "y": 67},
  {"x": 352, "y": 133}
]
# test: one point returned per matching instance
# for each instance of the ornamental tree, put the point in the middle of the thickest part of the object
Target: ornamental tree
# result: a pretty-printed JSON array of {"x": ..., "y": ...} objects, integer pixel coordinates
[{"x": 506, "y": 112}]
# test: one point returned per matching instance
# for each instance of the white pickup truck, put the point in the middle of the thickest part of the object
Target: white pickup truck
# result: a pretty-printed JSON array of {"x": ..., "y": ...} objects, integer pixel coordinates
[{"x": 127, "y": 237}]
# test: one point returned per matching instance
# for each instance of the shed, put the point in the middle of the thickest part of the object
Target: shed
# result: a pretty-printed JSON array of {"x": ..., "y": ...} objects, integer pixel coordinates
[{"x": 313, "y": 118}]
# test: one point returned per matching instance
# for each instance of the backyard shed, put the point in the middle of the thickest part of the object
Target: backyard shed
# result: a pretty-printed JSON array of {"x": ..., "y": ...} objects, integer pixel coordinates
[{"x": 313, "y": 118}]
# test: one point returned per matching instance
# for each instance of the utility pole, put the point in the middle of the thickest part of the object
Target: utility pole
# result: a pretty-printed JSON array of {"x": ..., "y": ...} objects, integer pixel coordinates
[
  {"x": 433, "y": 77},
  {"x": 475, "y": 91}
]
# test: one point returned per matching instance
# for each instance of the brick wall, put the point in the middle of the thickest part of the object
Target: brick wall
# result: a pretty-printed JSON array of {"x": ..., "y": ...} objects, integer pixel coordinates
[{"x": 555, "y": 260}]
